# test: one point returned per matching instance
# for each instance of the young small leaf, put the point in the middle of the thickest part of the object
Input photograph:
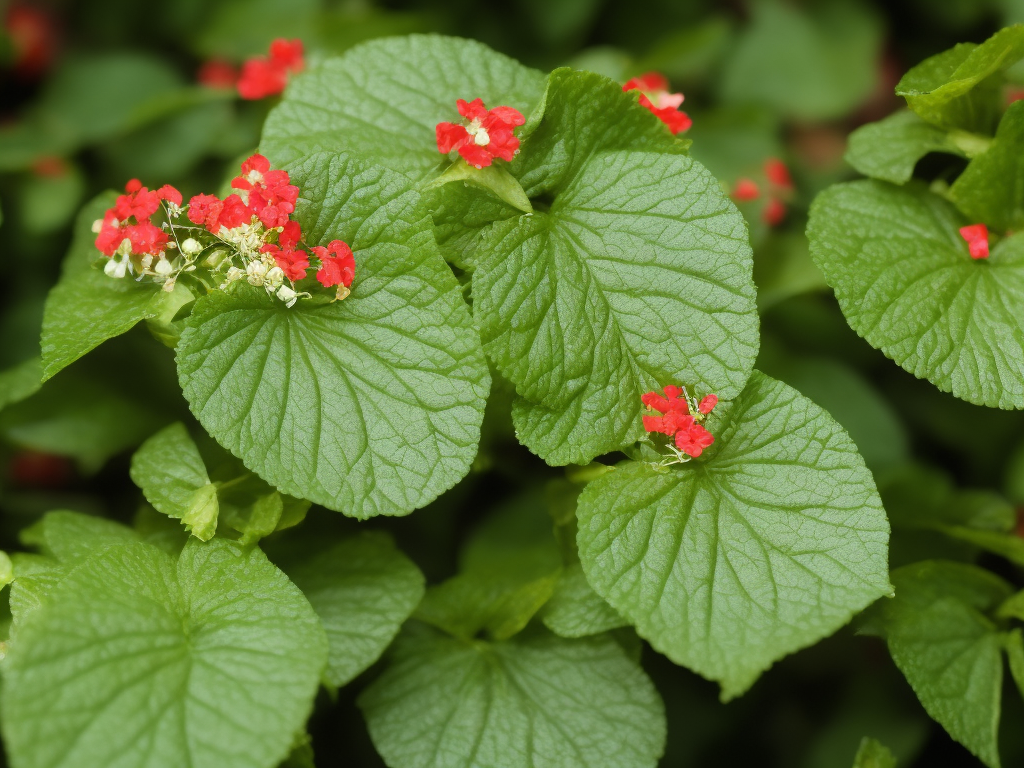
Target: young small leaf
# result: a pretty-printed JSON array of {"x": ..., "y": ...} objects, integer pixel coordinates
[
  {"x": 135, "y": 660},
  {"x": 889, "y": 149},
  {"x": 991, "y": 188},
  {"x": 957, "y": 88},
  {"x": 543, "y": 700},
  {"x": 905, "y": 282},
  {"x": 362, "y": 589},
  {"x": 172, "y": 476},
  {"x": 728, "y": 563},
  {"x": 368, "y": 406}
]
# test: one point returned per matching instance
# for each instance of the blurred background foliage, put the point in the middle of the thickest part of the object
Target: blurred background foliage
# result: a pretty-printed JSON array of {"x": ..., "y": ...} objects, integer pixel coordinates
[{"x": 97, "y": 91}]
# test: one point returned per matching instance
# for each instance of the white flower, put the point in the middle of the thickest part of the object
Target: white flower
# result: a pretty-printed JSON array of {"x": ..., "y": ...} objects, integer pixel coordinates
[
  {"x": 115, "y": 268},
  {"x": 163, "y": 267},
  {"x": 191, "y": 247}
]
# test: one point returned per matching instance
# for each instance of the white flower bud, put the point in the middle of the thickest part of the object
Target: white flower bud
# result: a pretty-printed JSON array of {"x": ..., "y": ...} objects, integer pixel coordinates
[
  {"x": 287, "y": 295},
  {"x": 191, "y": 246},
  {"x": 97, "y": 226},
  {"x": 163, "y": 267}
]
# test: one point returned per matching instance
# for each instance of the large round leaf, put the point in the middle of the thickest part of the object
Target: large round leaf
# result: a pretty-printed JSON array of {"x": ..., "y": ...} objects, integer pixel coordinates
[
  {"x": 906, "y": 283},
  {"x": 369, "y": 406},
  {"x": 635, "y": 271},
  {"x": 135, "y": 661},
  {"x": 728, "y": 563}
]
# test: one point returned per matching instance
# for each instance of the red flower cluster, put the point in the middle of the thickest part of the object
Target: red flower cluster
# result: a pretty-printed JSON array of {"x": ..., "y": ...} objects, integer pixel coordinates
[
  {"x": 676, "y": 420},
  {"x": 142, "y": 236},
  {"x": 489, "y": 134},
  {"x": 33, "y": 38},
  {"x": 976, "y": 236},
  {"x": 780, "y": 188},
  {"x": 264, "y": 76},
  {"x": 264, "y": 194},
  {"x": 218, "y": 74},
  {"x": 337, "y": 264},
  {"x": 654, "y": 95}
]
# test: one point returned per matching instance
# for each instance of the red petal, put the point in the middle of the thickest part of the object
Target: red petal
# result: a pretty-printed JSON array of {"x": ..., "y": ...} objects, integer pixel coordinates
[
  {"x": 475, "y": 154},
  {"x": 449, "y": 135},
  {"x": 473, "y": 110}
]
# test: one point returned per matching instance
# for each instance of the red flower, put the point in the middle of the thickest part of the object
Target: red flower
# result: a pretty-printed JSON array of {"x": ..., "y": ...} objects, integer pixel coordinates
[
  {"x": 707, "y": 405},
  {"x": 218, "y": 74},
  {"x": 33, "y": 39},
  {"x": 138, "y": 202},
  {"x": 262, "y": 76},
  {"x": 146, "y": 238},
  {"x": 49, "y": 165},
  {"x": 337, "y": 264},
  {"x": 693, "y": 439},
  {"x": 490, "y": 133},
  {"x": 746, "y": 190},
  {"x": 778, "y": 174},
  {"x": 111, "y": 235},
  {"x": 205, "y": 211},
  {"x": 654, "y": 95},
  {"x": 292, "y": 262},
  {"x": 690, "y": 436},
  {"x": 235, "y": 213},
  {"x": 290, "y": 235},
  {"x": 976, "y": 236},
  {"x": 774, "y": 212},
  {"x": 170, "y": 194},
  {"x": 270, "y": 195}
]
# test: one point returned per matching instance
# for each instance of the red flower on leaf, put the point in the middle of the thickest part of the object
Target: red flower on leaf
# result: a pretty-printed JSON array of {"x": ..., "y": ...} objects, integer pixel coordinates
[
  {"x": 774, "y": 212},
  {"x": 262, "y": 76},
  {"x": 270, "y": 195},
  {"x": 137, "y": 201},
  {"x": 293, "y": 263},
  {"x": 654, "y": 95},
  {"x": 204, "y": 210},
  {"x": 489, "y": 134},
  {"x": 677, "y": 422},
  {"x": 337, "y": 264},
  {"x": 976, "y": 236}
]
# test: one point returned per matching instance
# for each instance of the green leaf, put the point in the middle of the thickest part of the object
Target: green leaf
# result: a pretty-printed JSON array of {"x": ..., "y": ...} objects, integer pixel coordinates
[
  {"x": 1014, "y": 647},
  {"x": 542, "y": 700},
  {"x": 873, "y": 754},
  {"x": 905, "y": 282},
  {"x": 6, "y": 570},
  {"x": 362, "y": 589},
  {"x": 494, "y": 178},
  {"x": 991, "y": 188},
  {"x": 87, "y": 307},
  {"x": 368, "y": 406},
  {"x": 173, "y": 478},
  {"x": 82, "y": 417},
  {"x": 637, "y": 274},
  {"x": 808, "y": 66},
  {"x": 137, "y": 660},
  {"x": 950, "y": 652},
  {"x": 19, "y": 382},
  {"x": 383, "y": 99},
  {"x": 889, "y": 149},
  {"x": 576, "y": 610},
  {"x": 958, "y": 88},
  {"x": 728, "y": 563}
]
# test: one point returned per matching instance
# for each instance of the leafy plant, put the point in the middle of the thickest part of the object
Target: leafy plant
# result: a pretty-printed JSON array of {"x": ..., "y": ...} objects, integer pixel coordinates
[{"x": 516, "y": 308}]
